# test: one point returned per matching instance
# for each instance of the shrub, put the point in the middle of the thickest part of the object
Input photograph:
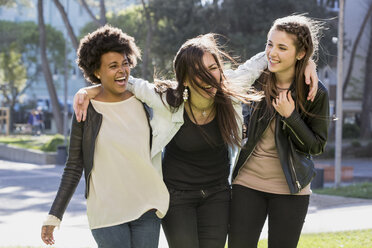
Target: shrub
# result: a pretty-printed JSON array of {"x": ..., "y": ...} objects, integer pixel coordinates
[
  {"x": 350, "y": 131},
  {"x": 355, "y": 143},
  {"x": 52, "y": 144}
]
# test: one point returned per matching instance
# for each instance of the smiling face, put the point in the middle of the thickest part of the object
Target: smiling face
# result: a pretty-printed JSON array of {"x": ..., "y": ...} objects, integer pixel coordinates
[
  {"x": 113, "y": 73},
  {"x": 206, "y": 90},
  {"x": 281, "y": 53}
]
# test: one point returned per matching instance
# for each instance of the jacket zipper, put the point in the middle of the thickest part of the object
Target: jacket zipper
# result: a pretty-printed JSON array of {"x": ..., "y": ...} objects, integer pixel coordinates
[
  {"x": 295, "y": 175},
  {"x": 298, "y": 138}
]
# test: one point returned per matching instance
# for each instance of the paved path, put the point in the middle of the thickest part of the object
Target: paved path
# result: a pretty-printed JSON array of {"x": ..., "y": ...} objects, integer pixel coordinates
[{"x": 27, "y": 191}]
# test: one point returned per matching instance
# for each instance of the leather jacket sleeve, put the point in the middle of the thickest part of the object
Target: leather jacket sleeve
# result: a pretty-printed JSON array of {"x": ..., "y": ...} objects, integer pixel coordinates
[
  {"x": 72, "y": 172},
  {"x": 310, "y": 133}
]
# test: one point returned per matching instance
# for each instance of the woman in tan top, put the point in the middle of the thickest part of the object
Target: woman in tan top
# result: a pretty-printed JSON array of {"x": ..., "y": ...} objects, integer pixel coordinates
[{"x": 273, "y": 173}]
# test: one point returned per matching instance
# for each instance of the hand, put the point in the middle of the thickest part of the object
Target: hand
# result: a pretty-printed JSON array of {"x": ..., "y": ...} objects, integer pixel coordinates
[
  {"x": 81, "y": 102},
  {"x": 284, "y": 103},
  {"x": 311, "y": 78},
  {"x": 47, "y": 234}
]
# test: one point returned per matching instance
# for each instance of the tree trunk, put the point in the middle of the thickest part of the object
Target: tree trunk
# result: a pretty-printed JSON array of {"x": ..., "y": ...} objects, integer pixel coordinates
[
  {"x": 102, "y": 8},
  {"x": 66, "y": 21},
  {"x": 366, "y": 115},
  {"x": 57, "y": 114},
  {"x": 99, "y": 22},
  {"x": 354, "y": 48},
  {"x": 147, "y": 49}
]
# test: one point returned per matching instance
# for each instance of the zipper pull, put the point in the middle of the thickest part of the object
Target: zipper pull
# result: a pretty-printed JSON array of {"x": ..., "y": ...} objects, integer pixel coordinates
[{"x": 298, "y": 185}]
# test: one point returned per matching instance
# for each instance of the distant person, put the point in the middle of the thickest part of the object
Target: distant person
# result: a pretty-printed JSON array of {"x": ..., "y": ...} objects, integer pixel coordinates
[
  {"x": 274, "y": 169},
  {"x": 41, "y": 119},
  {"x": 126, "y": 196},
  {"x": 35, "y": 121}
]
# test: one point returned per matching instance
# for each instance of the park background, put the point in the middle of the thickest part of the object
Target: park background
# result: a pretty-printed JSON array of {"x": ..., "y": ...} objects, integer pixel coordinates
[{"x": 38, "y": 42}]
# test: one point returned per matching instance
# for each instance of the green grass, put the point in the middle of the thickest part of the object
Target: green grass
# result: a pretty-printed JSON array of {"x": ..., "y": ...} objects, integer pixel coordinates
[
  {"x": 358, "y": 190},
  {"x": 43, "y": 142},
  {"x": 350, "y": 239}
]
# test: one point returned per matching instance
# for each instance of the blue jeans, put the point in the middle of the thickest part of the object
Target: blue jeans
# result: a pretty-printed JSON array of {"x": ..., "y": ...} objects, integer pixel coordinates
[{"x": 140, "y": 233}]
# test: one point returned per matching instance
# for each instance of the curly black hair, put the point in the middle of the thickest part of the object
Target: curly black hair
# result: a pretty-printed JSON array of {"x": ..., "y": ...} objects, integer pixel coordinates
[{"x": 105, "y": 39}]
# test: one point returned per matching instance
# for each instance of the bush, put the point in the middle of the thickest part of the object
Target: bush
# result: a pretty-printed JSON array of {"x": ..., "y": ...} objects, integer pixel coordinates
[
  {"x": 51, "y": 145},
  {"x": 355, "y": 143},
  {"x": 350, "y": 131}
]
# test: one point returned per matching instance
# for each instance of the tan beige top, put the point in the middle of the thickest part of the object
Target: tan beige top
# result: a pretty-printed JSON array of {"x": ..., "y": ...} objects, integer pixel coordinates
[
  {"x": 263, "y": 171},
  {"x": 123, "y": 182}
]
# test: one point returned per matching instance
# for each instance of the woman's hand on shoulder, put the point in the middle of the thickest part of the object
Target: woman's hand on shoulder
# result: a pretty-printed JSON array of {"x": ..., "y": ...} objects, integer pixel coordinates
[
  {"x": 81, "y": 101},
  {"x": 47, "y": 234},
  {"x": 284, "y": 103},
  {"x": 311, "y": 78}
]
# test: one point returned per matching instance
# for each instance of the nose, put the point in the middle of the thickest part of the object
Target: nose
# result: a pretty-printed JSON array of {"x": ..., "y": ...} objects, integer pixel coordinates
[{"x": 272, "y": 52}]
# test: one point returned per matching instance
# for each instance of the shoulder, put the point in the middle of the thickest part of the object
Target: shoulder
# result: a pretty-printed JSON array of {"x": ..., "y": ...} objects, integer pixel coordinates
[{"x": 322, "y": 90}]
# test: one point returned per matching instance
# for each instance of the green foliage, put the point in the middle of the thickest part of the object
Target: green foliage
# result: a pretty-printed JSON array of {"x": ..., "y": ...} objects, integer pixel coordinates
[
  {"x": 24, "y": 38},
  {"x": 12, "y": 74},
  {"x": 355, "y": 143},
  {"x": 52, "y": 144},
  {"x": 359, "y": 190},
  {"x": 350, "y": 131},
  {"x": 348, "y": 239}
]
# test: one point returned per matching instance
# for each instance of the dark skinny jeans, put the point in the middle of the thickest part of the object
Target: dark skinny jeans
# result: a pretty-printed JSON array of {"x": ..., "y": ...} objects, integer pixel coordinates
[
  {"x": 249, "y": 209},
  {"x": 197, "y": 218}
]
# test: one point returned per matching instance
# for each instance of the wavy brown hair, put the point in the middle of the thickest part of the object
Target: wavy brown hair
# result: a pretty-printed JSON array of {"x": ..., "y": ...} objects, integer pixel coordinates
[
  {"x": 188, "y": 66},
  {"x": 306, "y": 34}
]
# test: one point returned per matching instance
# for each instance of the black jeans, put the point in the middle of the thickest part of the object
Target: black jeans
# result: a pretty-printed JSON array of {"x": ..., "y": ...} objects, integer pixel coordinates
[
  {"x": 249, "y": 209},
  {"x": 198, "y": 218}
]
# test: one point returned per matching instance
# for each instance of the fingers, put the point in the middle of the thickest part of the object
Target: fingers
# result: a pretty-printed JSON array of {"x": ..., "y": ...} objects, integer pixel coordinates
[
  {"x": 313, "y": 90},
  {"x": 289, "y": 97},
  {"x": 85, "y": 113},
  {"x": 47, "y": 235}
]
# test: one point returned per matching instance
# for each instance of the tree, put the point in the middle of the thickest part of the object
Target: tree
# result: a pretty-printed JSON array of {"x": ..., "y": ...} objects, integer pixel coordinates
[
  {"x": 56, "y": 109},
  {"x": 354, "y": 49},
  {"x": 13, "y": 78},
  {"x": 366, "y": 114},
  {"x": 147, "y": 47}
]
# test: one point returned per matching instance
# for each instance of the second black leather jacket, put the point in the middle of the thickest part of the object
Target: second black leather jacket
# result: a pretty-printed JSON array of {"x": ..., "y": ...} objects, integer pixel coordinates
[{"x": 297, "y": 137}]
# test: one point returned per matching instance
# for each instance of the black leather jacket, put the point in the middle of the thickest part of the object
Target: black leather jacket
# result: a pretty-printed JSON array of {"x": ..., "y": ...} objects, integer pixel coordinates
[
  {"x": 80, "y": 158},
  {"x": 297, "y": 137}
]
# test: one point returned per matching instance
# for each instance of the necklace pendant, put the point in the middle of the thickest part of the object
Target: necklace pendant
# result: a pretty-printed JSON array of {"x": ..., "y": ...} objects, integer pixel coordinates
[{"x": 204, "y": 113}]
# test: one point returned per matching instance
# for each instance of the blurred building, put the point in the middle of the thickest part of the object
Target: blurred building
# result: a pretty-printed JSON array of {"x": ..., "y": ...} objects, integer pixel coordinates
[{"x": 354, "y": 14}]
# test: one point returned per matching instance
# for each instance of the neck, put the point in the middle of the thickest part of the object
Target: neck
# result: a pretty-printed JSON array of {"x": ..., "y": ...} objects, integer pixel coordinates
[
  {"x": 105, "y": 96},
  {"x": 284, "y": 80}
]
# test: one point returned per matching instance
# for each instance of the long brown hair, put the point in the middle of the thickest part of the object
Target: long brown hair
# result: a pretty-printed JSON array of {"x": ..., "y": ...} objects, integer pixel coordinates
[
  {"x": 306, "y": 33},
  {"x": 188, "y": 66}
]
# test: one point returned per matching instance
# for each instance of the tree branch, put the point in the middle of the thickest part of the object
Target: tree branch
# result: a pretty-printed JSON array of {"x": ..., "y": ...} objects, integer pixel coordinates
[
  {"x": 90, "y": 13},
  {"x": 354, "y": 48},
  {"x": 67, "y": 23}
]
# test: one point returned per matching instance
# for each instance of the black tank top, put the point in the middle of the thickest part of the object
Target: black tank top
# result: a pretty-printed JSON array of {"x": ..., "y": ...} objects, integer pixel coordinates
[{"x": 196, "y": 157}]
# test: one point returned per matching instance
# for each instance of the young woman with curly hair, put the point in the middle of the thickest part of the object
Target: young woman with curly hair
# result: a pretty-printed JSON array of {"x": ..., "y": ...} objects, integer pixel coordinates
[{"x": 126, "y": 196}]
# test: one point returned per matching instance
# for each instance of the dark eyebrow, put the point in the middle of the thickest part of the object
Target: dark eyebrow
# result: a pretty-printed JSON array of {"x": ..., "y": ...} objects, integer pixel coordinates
[
  {"x": 281, "y": 44},
  {"x": 112, "y": 63},
  {"x": 214, "y": 64}
]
